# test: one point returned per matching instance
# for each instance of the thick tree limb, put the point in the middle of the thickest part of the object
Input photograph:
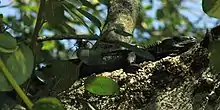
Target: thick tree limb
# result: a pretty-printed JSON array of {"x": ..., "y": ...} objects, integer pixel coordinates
[
  {"x": 165, "y": 84},
  {"x": 38, "y": 26},
  {"x": 122, "y": 15},
  {"x": 68, "y": 36}
]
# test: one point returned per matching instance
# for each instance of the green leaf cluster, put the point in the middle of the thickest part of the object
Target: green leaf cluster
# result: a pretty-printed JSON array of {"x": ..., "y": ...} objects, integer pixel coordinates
[{"x": 18, "y": 59}]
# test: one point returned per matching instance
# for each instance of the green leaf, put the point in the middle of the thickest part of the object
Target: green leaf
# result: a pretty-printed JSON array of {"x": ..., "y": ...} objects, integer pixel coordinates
[
  {"x": 88, "y": 4},
  {"x": 68, "y": 29},
  {"x": 65, "y": 28},
  {"x": 211, "y": 7},
  {"x": 89, "y": 56},
  {"x": 49, "y": 45},
  {"x": 214, "y": 55},
  {"x": 64, "y": 73},
  {"x": 101, "y": 86},
  {"x": 92, "y": 18},
  {"x": 16, "y": 26},
  {"x": 54, "y": 12},
  {"x": 148, "y": 7},
  {"x": 76, "y": 3},
  {"x": 8, "y": 44},
  {"x": 73, "y": 13},
  {"x": 20, "y": 65},
  {"x": 48, "y": 103},
  {"x": 160, "y": 14},
  {"x": 28, "y": 20}
]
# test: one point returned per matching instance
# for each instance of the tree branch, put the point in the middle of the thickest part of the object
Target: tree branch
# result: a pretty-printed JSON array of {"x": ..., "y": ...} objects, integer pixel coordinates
[
  {"x": 68, "y": 36},
  {"x": 122, "y": 15},
  {"x": 164, "y": 84},
  {"x": 155, "y": 84},
  {"x": 39, "y": 23}
]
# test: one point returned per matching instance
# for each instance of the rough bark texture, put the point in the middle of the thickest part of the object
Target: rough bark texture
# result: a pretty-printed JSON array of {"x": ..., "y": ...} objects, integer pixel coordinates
[
  {"x": 166, "y": 84},
  {"x": 122, "y": 16}
]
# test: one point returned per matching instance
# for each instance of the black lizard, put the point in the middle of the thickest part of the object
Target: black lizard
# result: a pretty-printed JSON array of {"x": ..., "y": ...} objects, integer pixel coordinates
[{"x": 171, "y": 46}]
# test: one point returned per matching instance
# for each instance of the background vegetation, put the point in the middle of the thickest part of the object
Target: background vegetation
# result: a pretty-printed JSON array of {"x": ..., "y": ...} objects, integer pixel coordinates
[
  {"x": 157, "y": 19},
  {"x": 63, "y": 28}
]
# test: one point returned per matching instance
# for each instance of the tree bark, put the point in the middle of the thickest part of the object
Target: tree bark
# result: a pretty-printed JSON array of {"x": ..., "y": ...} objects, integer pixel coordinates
[
  {"x": 166, "y": 84},
  {"x": 163, "y": 85}
]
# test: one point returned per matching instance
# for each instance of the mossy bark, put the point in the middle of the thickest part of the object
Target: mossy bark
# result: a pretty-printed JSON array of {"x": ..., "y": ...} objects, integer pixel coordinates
[{"x": 166, "y": 84}]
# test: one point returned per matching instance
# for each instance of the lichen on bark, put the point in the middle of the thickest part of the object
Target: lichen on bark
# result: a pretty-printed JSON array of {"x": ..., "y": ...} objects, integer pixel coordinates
[
  {"x": 166, "y": 84},
  {"x": 121, "y": 14}
]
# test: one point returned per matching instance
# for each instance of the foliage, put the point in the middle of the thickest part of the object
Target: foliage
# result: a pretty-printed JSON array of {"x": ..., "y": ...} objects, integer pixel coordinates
[
  {"x": 40, "y": 17},
  {"x": 8, "y": 43},
  {"x": 48, "y": 103},
  {"x": 211, "y": 7},
  {"x": 101, "y": 86},
  {"x": 214, "y": 55},
  {"x": 20, "y": 65}
]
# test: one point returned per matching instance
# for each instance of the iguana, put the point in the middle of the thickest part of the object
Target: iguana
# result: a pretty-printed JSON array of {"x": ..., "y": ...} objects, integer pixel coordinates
[
  {"x": 131, "y": 56},
  {"x": 125, "y": 58},
  {"x": 171, "y": 46}
]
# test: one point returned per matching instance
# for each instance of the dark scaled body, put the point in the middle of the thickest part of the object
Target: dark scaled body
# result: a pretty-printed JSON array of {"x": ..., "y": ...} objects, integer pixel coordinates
[
  {"x": 127, "y": 59},
  {"x": 170, "y": 47}
]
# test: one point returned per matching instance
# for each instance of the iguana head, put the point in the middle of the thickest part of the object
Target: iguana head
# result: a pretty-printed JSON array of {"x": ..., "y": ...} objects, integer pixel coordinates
[{"x": 171, "y": 46}]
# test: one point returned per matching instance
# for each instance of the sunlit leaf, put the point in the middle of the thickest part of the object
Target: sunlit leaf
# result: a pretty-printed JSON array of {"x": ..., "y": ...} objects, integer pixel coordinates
[
  {"x": 48, "y": 103},
  {"x": 102, "y": 86},
  {"x": 76, "y": 3},
  {"x": 211, "y": 7},
  {"x": 88, "y": 4},
  {"x": 49, "y": 45},
  {"x": 92, "y": 18},
  {"x": 148, "y": 7}
]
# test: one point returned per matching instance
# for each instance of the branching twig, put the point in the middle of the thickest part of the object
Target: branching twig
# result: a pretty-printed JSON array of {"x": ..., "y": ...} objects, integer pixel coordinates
[
  {"x": 38, "y": 25},
  {"x": 67, "y": 36}
]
